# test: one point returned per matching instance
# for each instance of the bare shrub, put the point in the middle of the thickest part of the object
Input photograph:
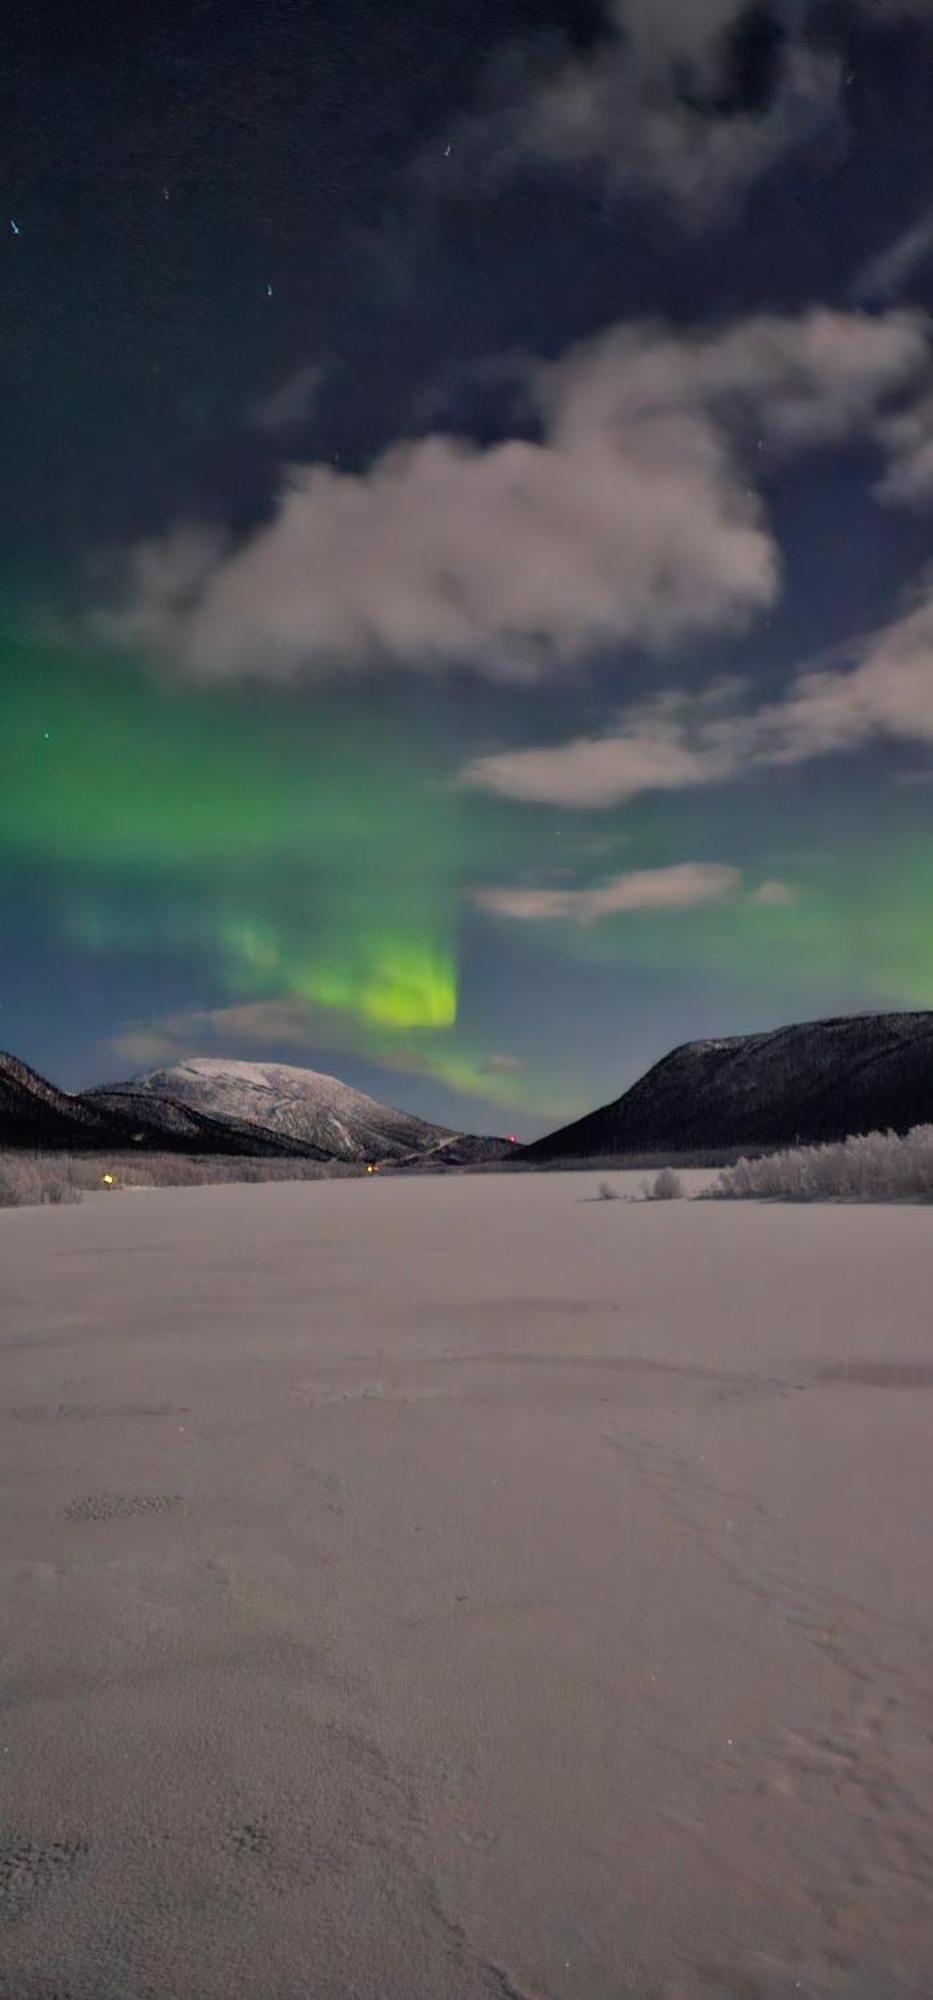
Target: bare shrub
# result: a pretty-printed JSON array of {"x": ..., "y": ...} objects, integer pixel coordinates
[
  {"x": 19, "y": 1183},
  {"x": 27, "y": 1180},
  {"x": 57, "y": 1190},
  {"x": 873, "y": 1166},
  {"x": 666, "y": 1186}
]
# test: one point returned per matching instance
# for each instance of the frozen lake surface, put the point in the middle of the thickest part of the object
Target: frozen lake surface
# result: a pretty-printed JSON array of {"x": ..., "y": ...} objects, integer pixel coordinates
[{"x": 465, "y": 1589}]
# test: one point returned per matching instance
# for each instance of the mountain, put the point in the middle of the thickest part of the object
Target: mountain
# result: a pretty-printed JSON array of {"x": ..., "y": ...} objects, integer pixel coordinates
[
  {"x": 300, "y": 1108},
  {"x": 818, "y": 1081},
  {"x": 160, "y": 1121},
  {"x": 35, "y": 1113}
]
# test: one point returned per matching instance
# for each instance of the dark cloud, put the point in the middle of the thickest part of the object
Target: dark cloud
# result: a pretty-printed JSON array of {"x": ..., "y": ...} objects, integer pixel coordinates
[{"x": 690, "y": 102}]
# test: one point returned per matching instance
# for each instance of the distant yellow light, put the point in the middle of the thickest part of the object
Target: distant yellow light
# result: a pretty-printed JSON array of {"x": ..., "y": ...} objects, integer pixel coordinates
[{"x": 107, "y": 1179}]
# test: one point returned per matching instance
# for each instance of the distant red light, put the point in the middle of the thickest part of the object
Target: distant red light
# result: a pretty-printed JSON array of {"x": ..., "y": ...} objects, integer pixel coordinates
[{"x": 513, "y": 1139}]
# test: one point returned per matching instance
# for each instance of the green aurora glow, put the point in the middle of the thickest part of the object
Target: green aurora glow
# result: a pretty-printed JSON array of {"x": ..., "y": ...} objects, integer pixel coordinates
[
  {"x": 298, "y": 854},
  {"x": 343, "y": 882}
]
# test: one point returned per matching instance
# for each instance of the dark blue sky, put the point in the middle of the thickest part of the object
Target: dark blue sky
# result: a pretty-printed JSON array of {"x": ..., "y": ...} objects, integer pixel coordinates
[{"x": 466, "y": 479}]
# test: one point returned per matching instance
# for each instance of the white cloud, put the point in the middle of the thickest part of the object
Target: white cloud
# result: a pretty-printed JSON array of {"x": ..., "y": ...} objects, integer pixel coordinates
[
  {"x": 632, "y": 520},
  {"x": 816, "y": 380},
  {"x": 684, "y": 887},
  {"x": 680, "y": 741},
  {"x": 598, "y": 770}
]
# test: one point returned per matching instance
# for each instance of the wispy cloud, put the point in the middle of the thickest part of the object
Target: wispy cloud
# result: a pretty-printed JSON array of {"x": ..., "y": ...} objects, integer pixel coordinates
[
  {"x": 773, "y": 895},
  {"x": 683, "y": 741},
  {"x": 907, "y": 438},
  {"x": 256, "y": 1024},
  {"x": 684, "y": 887},
  {"x": 651, "y": 753},
  {"x": 888, "y": 694},
  {"x": 288, "y": 406},
  {"x": 689, "y": 100},
  {"x": 885, "y": 276},
  {"x": 256, "y": 1029}
]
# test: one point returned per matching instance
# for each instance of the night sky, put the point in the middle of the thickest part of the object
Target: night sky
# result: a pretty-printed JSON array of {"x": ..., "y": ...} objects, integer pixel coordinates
[{"x": 466, "y": 606}]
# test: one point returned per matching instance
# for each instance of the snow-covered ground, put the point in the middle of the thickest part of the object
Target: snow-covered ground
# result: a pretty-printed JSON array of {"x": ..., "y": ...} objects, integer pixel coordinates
[{"x": 455, "y": 1589}]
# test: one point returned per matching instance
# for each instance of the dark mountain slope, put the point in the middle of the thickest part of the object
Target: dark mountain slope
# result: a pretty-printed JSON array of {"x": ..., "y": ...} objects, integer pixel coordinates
[
  {"x": 818, "y": 1081},
  {"x": 164, "y": 1122},
  {"x": 35, "y": 1114}
]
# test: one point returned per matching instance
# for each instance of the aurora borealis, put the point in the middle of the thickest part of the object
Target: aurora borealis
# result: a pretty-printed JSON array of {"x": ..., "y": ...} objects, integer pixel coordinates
[{"x": 526, "y": 451}]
